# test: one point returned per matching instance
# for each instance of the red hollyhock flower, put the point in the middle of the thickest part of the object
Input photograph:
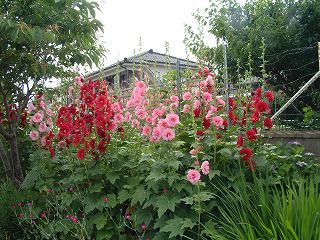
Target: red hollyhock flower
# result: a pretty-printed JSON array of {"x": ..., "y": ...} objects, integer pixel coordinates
[
  {"x": 257, "y": 93},
  {"x": 65, "y": 129},
  {"x": 262, "y": 106},
  {"x": 269, "y": 96},
  {"x": 251, "y": 135},
  {"x": 246, "y": 154},
  {"x": 196, "y": 112},
  {"x": 81, "y": 153},
  {"x": 267, "y": 123},
  {"x": 240, "y": 141},
  {"x": 255, "y": 117},
  {"x": 232, "y": 103},
  {"x": 200, "y": 133},
  {"x": 243, "y": 121},
  {"x": 206, "y": 123}
]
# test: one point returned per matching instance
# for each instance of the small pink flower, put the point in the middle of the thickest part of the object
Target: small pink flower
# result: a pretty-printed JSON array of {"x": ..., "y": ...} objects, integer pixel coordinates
[
  {"x": 186, "y": 96},
  {"x": 43, "y": 105},
  {"x": 42, "y": 127},
  {"x": 163, "y": 123},
  {"x": 37, "y": 117},
  {"x": 193, "y": 176},
  {"x": 205, "y": 167},
  {"x": 135, "y": 123},
  {"x": 143, "y": 227},
  {"x": 174, "y": 98},
  {"x": 34, "y": 135},
  {"x": 207, "y": 97},
  {"x": 30, "y": 107},
  {"x": 156, "y": 132},
  {"x": 203, "y": 84},
  {"x": 175, "y": 105},
  {"x": 186, "y": 108},
  {"x": 78, "y": 81},
  {"x": 197, "y": 93},
  {"x": 118, "y": 118},
  {"x": 146, "y": 130},
  {"x": 212, "y": 108},
  {"x": 193, "y": 77},
  {"x": 140, "y": 84},
  {"x": 220, "y": 101},
  {"x": 172, "y": 119},
  {"x": 61, "y": 144},
  {"x": 115, "y": 107},
  {"x": 193, "y": 152},
  {"x": 43, "y": 141},
  {"x": 141, "y": 113},
  {"x": 196, "y": 104},
  {"x": 217, "y": 121},
  {"x": 49, "y": 121},
  {"x": 168, "y": 134},
  {"x": 127, "y": 117}
]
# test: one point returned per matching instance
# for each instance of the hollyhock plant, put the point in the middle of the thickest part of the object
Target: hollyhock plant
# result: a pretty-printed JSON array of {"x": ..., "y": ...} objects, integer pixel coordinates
[
  {"x": 246, "y": 154},
  {"x": 168, "y": 134}
]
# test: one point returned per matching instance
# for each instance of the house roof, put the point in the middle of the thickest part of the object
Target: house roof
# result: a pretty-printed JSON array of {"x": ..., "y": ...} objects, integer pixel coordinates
[{"x": 151, "y": 57}]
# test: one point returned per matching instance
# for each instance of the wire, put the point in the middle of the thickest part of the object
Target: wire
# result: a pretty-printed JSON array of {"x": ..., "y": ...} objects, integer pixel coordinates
[
  {"x": 277, "y": 85},
  {"x": 294, "y": 69},
  {"x": 294, "y": 49}
]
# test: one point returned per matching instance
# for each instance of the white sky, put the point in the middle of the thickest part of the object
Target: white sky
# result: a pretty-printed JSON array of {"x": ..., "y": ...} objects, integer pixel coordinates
[{"x": 155, "y": 21}]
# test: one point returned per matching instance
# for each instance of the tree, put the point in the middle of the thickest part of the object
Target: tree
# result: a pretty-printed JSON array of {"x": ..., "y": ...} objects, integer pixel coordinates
[
  {"x": 39, "y": 40},
  {"x": 290, "y": 30}
]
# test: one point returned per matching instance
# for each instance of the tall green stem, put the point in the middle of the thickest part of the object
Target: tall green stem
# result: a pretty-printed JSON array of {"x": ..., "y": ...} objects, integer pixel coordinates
[{"x": 199, "y": 213}]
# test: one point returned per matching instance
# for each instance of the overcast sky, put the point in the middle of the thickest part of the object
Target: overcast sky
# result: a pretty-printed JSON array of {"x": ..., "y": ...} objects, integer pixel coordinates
[{"x": 155, "y": 21}]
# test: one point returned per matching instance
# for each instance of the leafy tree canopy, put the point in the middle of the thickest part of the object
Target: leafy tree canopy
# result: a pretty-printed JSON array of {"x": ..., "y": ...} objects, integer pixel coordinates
[
  {"x": 40, "y": 40},
  {"x": 290, "y": 30}
]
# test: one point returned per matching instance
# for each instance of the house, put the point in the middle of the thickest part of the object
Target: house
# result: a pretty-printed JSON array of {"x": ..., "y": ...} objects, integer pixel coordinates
[{"x": 148, "y": 66}]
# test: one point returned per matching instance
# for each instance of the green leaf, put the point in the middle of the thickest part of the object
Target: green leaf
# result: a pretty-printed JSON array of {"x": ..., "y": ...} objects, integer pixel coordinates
[
  {"x": 166, "y": 202},
  {"x": 140, "y": 195},
  {"x": 123, "y": 196},
  {"x": 174, "y": 227},
  {"x": 214, "y": 173},
  {"x": 225, "y": 152}
]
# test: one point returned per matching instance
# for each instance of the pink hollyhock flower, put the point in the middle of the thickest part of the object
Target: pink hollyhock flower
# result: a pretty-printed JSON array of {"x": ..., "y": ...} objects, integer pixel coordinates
[
  {"x": 149, "y": 120},
  {"x": 146, "y": 130},
  {"x": 205, "y": 167},
  {"x": 203, "y": 84},
  {"x": 43, "y": 141},
  {"x": 175, "y": 105},
  {"x": 30, "y": 107},
  {"x": 37, "y": 117},
  {"x": 141, "y": 113},
  {"x": 193, "y": 152},
  {"x": 186, "y": 96},
  {"x": 193, "y": 77},
  {"x": 156, "y": 132},
  {"x": 172, "y": 119},
  {"x": 156, "y": 112},
  {"x": 186, "y": 108},
  {"x": 140, "y": 84},
  {"x": 61, "y": 144},
  {"x": 78, "y": 81},
  {"x": 207, "y": 97},
  {"x": 127, "y": 117},
  {"x": 49, "y": 112},
  {"x": 163, "y": 123},
  {"x": 34, "y": 135},
  {"x": 115, "y": 107},
  {"x": 193, "y": 176},
  {"x": 220, "y": 101},
  {"x": 118, "y": 118},
  {"x": 135, "y": 123},
  {"x": 196, "y": 104},
  {"x": 42, "y": 127},
  {"x": 209, "y": 78},
  {"x": 163, "y": 111},
  {"x": 197, "y": 93},
  {"x": 217, "y": 121},
  {"x": 174, "y": 98},
  {"x": 168, "y": 134},
  {"x": 43, "y": 105},
  {"x": 212, "y": 108},
  {"x": 49, "y": 121}
]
